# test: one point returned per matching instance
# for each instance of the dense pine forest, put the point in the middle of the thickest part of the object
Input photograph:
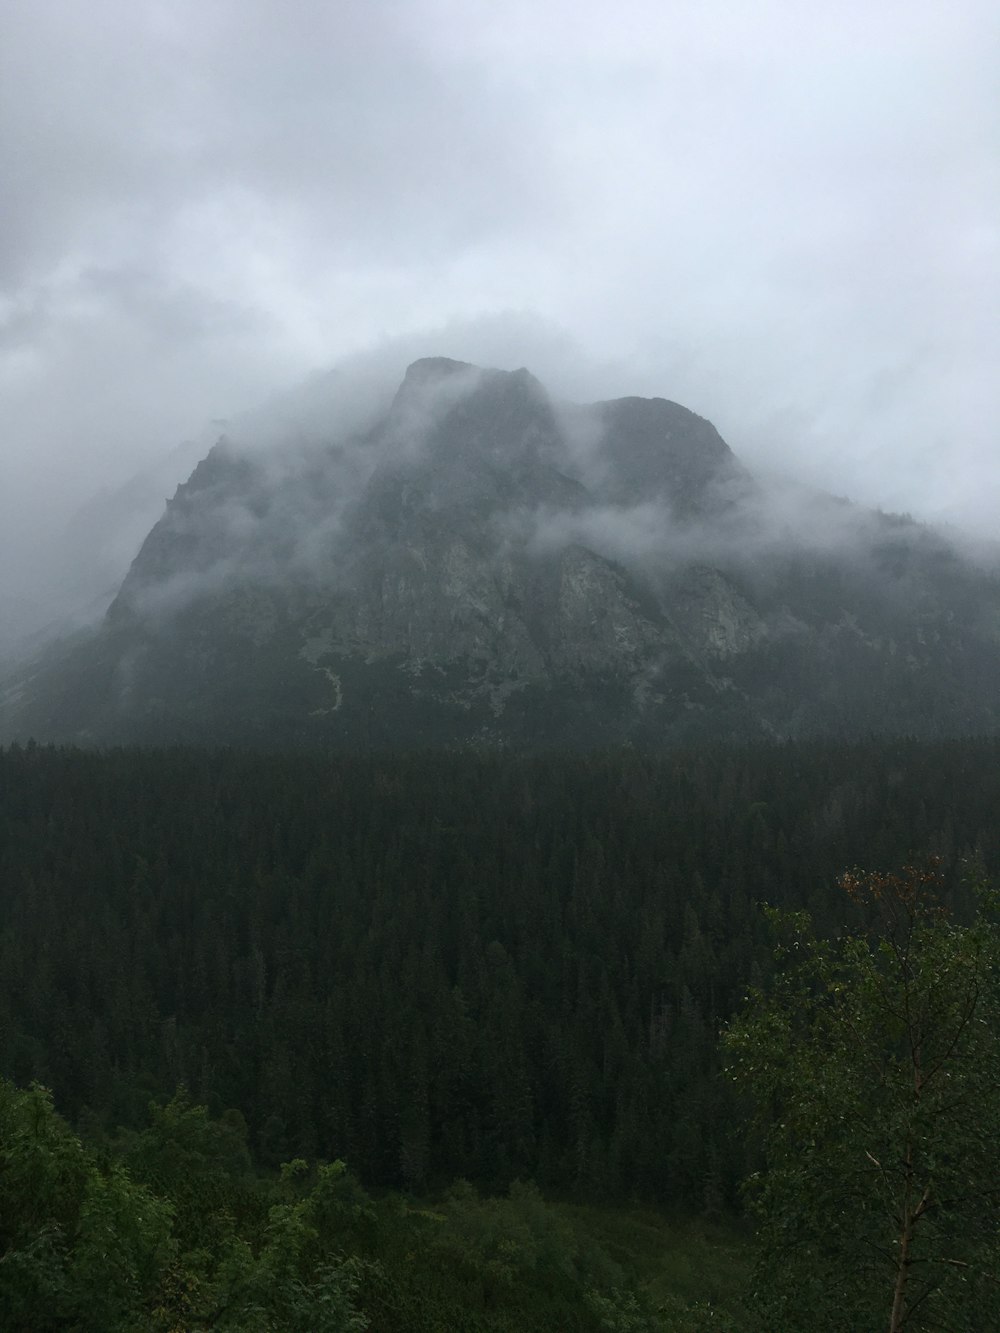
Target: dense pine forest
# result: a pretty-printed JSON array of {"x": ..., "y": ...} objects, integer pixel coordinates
[{"x": 505, "y": 971}]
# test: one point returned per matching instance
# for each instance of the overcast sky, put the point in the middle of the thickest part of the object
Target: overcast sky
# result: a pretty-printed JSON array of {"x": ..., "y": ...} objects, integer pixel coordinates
[{"x": 784, "y": 215}]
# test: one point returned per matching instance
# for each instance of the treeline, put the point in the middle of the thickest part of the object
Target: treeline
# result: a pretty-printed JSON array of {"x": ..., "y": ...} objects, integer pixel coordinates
[{"x": 439, "y": 967}]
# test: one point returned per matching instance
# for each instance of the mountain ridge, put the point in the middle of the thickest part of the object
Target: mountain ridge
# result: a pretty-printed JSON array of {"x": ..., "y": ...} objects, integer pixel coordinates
[{"x": 483, "y": 565}]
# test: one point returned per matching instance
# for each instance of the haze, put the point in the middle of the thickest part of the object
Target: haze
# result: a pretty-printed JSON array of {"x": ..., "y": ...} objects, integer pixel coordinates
[{"x": 785, "y": 217}]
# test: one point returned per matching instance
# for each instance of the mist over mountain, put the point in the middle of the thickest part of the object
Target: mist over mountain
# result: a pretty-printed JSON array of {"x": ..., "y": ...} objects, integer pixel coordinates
[{"x": 467, "y": 560}]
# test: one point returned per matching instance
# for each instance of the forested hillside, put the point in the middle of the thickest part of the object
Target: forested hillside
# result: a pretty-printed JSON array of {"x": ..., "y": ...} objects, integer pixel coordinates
[{"x": 440, "y": 966}]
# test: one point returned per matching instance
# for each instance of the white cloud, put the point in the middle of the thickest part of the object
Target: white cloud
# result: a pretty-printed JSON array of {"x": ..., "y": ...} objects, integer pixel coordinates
[{"x": 783, "y": 216}]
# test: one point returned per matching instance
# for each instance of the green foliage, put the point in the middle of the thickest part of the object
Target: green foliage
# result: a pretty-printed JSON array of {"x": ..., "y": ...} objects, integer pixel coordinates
[
  {"x": 623, "y": 1312},
  {"x": 87, "y": 1247},
  {"x": 504, "y": 1243},
  {"x": 122, "y": 1245},
  {"x": 79, "y": 1246},
  {"x": 520, "y": 1262},
  {"x": 687, "y": 1275},
  {"x": 431, "y": 966},
  {"x": 874, "y": 1064},
  {"x": 294, "y": 1283},
  {"x": 634, "y": 1312}
]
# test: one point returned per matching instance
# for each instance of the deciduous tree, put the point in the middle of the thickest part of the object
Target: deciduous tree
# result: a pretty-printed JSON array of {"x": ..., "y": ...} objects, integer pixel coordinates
[{"x": 874, "y": 1063}]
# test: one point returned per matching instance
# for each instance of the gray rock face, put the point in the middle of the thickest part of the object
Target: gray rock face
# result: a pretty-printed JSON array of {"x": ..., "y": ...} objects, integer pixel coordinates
[{"x": 486, "y": 566}]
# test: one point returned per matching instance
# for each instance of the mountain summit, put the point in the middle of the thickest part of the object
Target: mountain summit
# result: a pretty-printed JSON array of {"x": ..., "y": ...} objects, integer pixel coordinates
[{"x": 484, "y": 565}]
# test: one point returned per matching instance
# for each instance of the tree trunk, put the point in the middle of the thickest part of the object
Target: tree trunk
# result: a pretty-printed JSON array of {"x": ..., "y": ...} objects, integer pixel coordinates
[{"x": 902, "y": 1272}]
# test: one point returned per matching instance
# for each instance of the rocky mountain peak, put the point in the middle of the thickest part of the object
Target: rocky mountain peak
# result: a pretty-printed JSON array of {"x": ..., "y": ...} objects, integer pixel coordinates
[
  {"x": 656, "y": 449},
  {"x": 435, "y": 368},
  {"x": 486, "y": 566},
  {"x": 462, "y": 407},
  {"x": 428, "y": 384}
]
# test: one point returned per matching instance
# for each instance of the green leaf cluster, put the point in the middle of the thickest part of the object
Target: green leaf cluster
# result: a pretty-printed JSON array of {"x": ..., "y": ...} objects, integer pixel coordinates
[
  {"x": 86, "y": 1246},
  {"x": 80, "y": 1247}
]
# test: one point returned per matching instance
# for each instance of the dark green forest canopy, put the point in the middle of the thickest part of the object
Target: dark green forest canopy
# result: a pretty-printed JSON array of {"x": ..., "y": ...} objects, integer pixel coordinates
[{"x": 441, "y": 966}]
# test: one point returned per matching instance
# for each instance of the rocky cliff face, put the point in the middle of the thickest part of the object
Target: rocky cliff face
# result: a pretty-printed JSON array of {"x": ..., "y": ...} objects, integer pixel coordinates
[{"x": 486, "y": 566}]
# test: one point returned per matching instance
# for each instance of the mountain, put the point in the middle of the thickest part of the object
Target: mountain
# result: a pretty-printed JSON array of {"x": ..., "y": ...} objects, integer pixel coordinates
[
  {"x": 85, "y": 558},
  {"x": 483, "y": 565}
]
